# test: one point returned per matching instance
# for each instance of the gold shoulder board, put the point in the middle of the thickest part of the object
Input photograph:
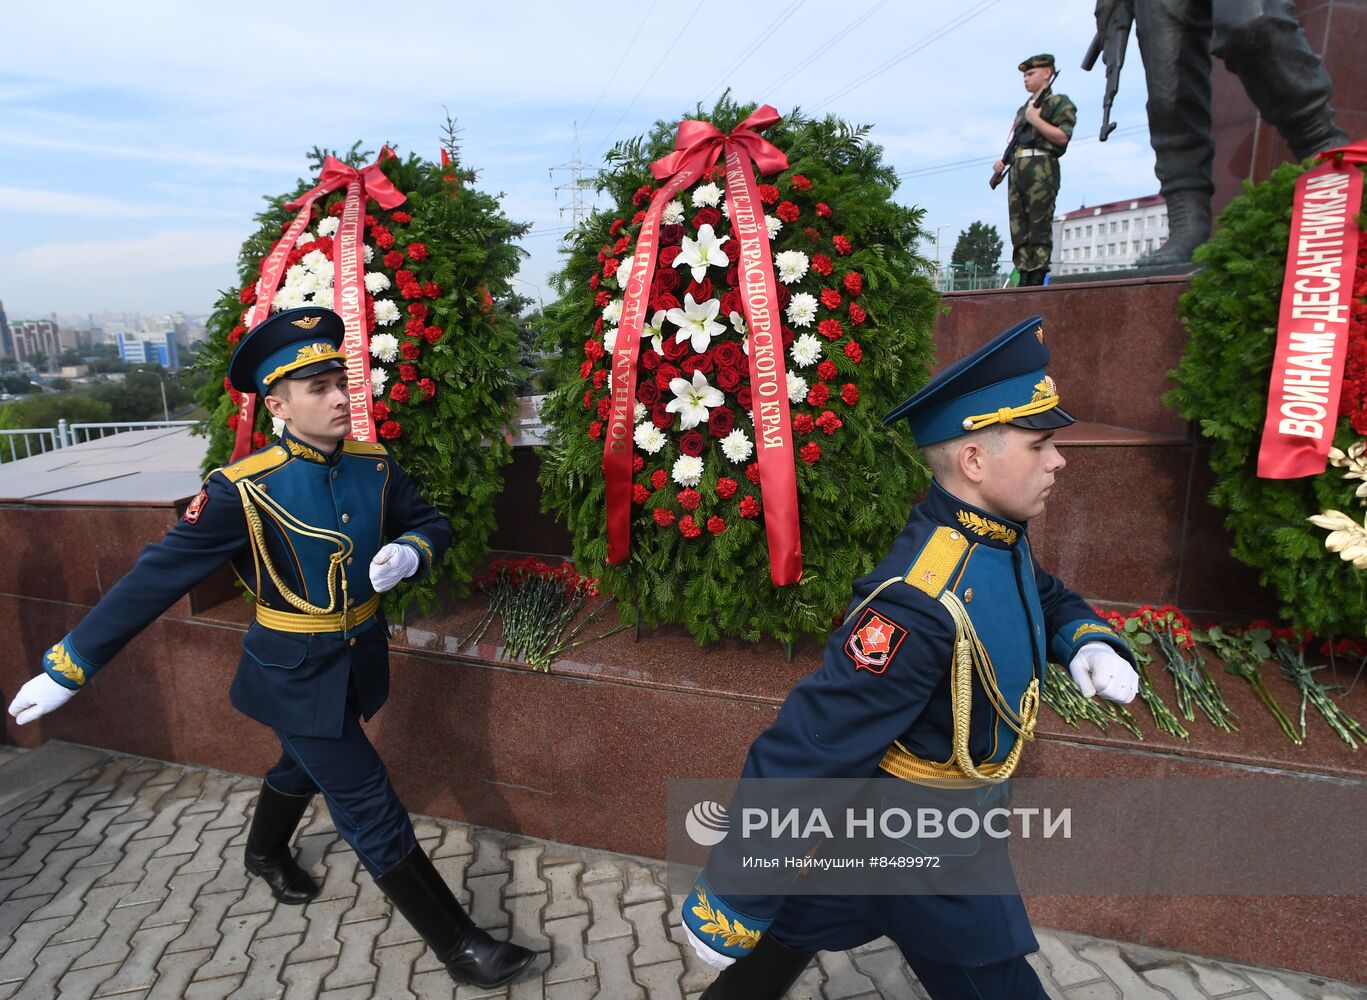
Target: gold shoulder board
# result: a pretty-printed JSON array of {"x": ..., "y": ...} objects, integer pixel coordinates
[
  {"x": 262, "y": 461},
  {"x": 364, "y": 447},
  {"x": 932, "y": 569}
]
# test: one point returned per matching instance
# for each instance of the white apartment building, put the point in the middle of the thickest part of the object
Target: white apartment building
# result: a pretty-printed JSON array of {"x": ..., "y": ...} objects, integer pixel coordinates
[{"x": 1108, "y": 237}]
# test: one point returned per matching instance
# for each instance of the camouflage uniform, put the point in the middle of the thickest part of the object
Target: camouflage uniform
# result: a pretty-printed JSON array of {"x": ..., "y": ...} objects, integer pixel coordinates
[{"x": 1034, "y": 182}]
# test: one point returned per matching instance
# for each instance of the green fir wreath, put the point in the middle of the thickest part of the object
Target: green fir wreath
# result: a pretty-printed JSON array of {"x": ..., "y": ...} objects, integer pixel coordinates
[
  {"x": 443, "y": 341},
  {"x": 1231, "y": 315},
  {"x": 858, "y": 318}
]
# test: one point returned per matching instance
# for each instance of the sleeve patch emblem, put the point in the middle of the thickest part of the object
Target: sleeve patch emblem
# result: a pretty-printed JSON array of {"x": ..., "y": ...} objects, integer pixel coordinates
[
  {"x": 196, "y": 507},
  {"x": 874, "y": 641}
]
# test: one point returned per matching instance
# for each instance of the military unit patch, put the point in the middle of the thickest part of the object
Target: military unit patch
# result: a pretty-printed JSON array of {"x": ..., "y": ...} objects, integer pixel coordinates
[
  {"x": 196, "y": 507},
  {"x": 874, "y": 641}
]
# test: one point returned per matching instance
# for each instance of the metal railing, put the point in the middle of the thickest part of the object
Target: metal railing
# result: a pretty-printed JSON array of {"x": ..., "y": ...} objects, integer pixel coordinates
[
  {"x": 33, "y": 440},
  {"x": 26, "y": 442},
  {"x": 72, "y": 434}
]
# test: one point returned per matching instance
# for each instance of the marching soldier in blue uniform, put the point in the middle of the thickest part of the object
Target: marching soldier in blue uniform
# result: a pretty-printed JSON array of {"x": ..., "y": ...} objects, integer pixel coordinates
[
  {"x": 304, "y": 522},
  {"x": 933, "y": 678}
]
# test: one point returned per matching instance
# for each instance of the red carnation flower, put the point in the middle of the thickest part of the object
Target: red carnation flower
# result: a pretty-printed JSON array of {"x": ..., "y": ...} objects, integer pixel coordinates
[
  {"x": 768, "y": 194},
  {"x": 393, "y": 259},
  {"x": 610, "y": 267},
  {"x": 418, "y": 311},
  {"x": 601, "y": 299},
  {"x": 642, "y": 194},
  {"x": 823, "y": 210},
  {"x": 689, "y": 499},
  {"x": 400, "y": 393},
  {"x": 248, "y": 295},
  {"x": 637, "y": 463},
  {"x": 752, "y": 472},
  {"x": 830, "y": 329},
  {"x": 854, "y": 281},
  {"x": 417, "y": 251},
  {"x": 787, "y": 211},
  {"x": 259, "y": 440},
  {"x": 800, "y": 182},
  {"x": 720, "y": 422},
  {"x": 828, "y": 422},
  {"x": 749, "y": 507},
  {"x": 380, "y": 411},
  {"x": 235, "y": 334},
  {"x": 409, "y": 350},
  {"x": 604, "y": 404},
  {"x": 726, "y": 488},
  {"x": 596, "y": 429},
  {"x": 408, "y": 373},
  {"x": 391, "y": 430},
  {"x": 431, "y": 290},
  {"x": 810, "y": 452},
  {"x": 433, "y": 334},
  {"x": 802, "y": 423},
  {"x": 664, "y": 517},
  {"x": 588, "y": 398},
  {"x": 821, "y": 264},
  {"x": 234, "y": 419},
  {"x": 402, "y": 277},
  {"x": 857, "y": 313},
  {"x": 658, "y": 478},
  {"x": 826, "y": 370},
  {"x": 638, "y": 218},
  {"x": 403, "y": 218},
  {"x": 716, "y": 525},
  {"x": 639, "y": 494},
  {"x": 593, "y": 349},
  {"x": 853, "y": 351},
  {"x": 621, "y": 244},
  {"x": 599, "y": 377},
  {"x": 384, "y": 239},
  {"x": 818, "y": 394},
  {"x": 337, "y": 207},
  {"x": 812, "y": 233},
  {"x": 595, "y": 280},
  {"x": 691, "y": 443},
  {"x": 843, "y": 246},
  {"x": 830, "y": 298},
  {"x": 689, "y": 527},
  {"x": 616, "y": 225},
  {"x": 849, "y": 394}
]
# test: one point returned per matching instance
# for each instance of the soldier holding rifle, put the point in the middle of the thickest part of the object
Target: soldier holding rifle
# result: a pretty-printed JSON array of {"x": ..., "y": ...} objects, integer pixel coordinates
[{"x": 1043, "y": 126}]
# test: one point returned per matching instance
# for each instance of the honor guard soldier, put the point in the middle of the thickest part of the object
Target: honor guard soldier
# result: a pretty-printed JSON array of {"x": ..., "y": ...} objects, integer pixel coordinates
[
  {"x": 1041, "y": 131},
  {"x": 304, "y": 522},
  {"x": 958, "y": 599}
]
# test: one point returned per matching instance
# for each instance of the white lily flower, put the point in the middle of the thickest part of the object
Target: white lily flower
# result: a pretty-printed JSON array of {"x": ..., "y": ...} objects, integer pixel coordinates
[
  {"x": 692, "y": 400},
  {"x": 738, "y": 324},
  {"x": 657, "y": 323},
  {"x": 737, "y": 447},
  {"x": 696, "y": 322},
  {"x": 687, "y": 470},
  {"x": 702, "y": 253}
]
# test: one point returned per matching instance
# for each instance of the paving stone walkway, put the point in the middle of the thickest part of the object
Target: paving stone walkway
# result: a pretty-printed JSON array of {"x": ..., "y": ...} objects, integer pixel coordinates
[{"x": 122, "y": 877}]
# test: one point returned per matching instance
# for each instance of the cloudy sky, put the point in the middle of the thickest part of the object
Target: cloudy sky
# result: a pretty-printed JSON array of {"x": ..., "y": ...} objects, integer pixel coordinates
[{"x": 137, "y": 140}]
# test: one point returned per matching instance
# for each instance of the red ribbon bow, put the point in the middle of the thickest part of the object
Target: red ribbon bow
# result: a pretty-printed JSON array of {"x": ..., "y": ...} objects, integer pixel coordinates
[
  {"x": 1353, "y": 153},
  {"x": 698, "y": 144},
  {"x": 337, "y": 175}
]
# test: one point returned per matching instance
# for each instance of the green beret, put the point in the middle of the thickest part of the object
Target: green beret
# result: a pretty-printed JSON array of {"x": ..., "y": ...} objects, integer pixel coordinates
[{"x": 1045, "y": 60}]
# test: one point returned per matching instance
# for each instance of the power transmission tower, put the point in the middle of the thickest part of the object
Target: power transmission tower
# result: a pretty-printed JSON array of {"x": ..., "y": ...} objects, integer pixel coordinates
[{"x": 576, "y": 186}]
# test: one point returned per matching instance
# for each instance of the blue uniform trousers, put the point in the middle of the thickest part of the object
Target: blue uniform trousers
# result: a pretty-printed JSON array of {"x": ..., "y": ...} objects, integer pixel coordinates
[{"x": 346, "y": 769}]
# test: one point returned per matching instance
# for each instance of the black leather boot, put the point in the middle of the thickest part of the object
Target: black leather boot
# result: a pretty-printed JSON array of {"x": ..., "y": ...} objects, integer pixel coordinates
[
  {"x": 1188, "y": 228},
  {"x": 470, "y": 955},
  {"x": 767, "y": 973},
  {"x": 268, "y": 851}
]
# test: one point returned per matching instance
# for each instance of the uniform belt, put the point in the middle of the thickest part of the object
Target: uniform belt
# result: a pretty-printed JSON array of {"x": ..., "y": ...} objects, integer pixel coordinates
[
  {"x": 902, "y": 763},
  {"x": 1020, "y": 153},
  {"x": 343, "y": 621}
]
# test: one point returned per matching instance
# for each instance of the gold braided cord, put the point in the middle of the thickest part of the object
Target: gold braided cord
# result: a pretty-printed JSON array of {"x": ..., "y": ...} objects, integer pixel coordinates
[
  {"x": 868, "y": 600},
  {"x": 285, "y": 369},
  {"x": 285, "y": 621},
  {"x": 252, "y": 495},
  {"x": 1008, "y": 413}
]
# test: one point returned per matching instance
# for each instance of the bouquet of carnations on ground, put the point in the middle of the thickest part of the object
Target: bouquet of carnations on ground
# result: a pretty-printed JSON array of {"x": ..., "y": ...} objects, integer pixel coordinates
[
  {"x": 1290, "y": 646},
  {"x": 729, "y": 335},
  {"x": 417, "y": 262}
]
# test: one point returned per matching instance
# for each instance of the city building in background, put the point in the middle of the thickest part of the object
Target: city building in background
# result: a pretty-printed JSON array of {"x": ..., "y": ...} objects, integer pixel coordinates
[
  {"x": 1108, "y": 237},
  {"x": 6, "y": 337},
  {"x": 37, "y": 342},
  {"x": 149, "y": 348}
]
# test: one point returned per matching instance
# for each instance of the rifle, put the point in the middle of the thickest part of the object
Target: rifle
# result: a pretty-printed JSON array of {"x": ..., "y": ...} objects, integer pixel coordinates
[
  {"x": 1114, "y": 19},
  {"x": 999, "y": 175}
]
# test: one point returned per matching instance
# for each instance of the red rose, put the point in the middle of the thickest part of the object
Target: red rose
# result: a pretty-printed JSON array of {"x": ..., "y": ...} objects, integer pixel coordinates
[
  {"x": 690, "y": 443},
  {"x": 403, "y": 218},
  {"x": 391, "y": 429},
  {"x": 408, "y": 373},
  {"x": 689, "y": 499},
  {"x": 830, "y": 298},
  {"x": 743, "y": 398},
  {"x": 843, "y": 246},
  {"x": 726, "y": 488},
  {"x": 823, "y": 210},
  {"x": 674, "y": 348},
  {"x": 664, "y": 302},
  {"x": 700, "y": 290},
  {"x": 853, "y": 351},
  {"x": 749, "y": 507},
  {"x": 818, "y": 394},
  {"x": 689, "y": 527},
  {"x": 384, "y": 239},
  {"x": 668, "y": 255},
  {"x": 830, "y": 329},
  {"x": 649, "y": 359},
  {"x": 733, "y": 276},
  {"x": 716, "y": 525},
  {"x": 720, "y": 422},
  {"x": 821, "y": 264},
  {"x": 787, "y": 335},
  {"x": 639, "y": 494},
  {"x": 393, "y": 259},
  {"x": 752, "y": 472},
  {"x": 727, "y": 354},
  {"x": 661, "y": 417},
  {"x": 665, "y": 374},
  {"x": 783, "y": 295},
  {"x": 768, "y": 194},
  {"x": 706, "y": 217},
  {"x": 800, "y": 182},
  {"x": 417, "y": 251},
  {"x": 854, "y": 281},
  {"x": 409, "y": 350},
  {"x": 658, "y": 478},
  {"x": 732, "y": 250},
  {"x": 728, "y": 379},
  {"x": 802, "y": 423},
  {"x": 787, "y": 211},
  {"x": 596, "y": 429},
  {"x": 667, "y": 280},
  {"x": 671, "y": 235},
  {"x": 648, "y": 393},
  {"x": 696, "y": 363},
  {"x": 857, "y": 313},
  {"x": 400, "y": 393},
  {"x": 664, "y": 517},
  {"x": 380, "y": 411},
  {"x": 826, "y": 370},
  {"x": 810, "y": 452},
  {"x": 433, "y": 334},
  {"x": 730, "y": 303},
  {"x": 418, "y": 311},
  {"x": 849, "y": 394}
]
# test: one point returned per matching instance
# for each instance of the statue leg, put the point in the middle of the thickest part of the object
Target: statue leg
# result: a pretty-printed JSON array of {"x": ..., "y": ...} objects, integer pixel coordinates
[{"x": 1263, "y": 44}]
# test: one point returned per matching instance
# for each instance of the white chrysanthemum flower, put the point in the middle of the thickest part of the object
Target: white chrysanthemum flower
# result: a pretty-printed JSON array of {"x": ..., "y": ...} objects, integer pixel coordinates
[
  {"x": 801, "y": 309},
  {"x": 773, "y": 224},
  {"x": 297, "y": 275},
  {"x": 378, "y": 377},
  {"x": 649, "y": 438},
  {"x": 687, "y": 470},
  {"x": 697, "y": 323},
  {"x": 612, "y": 312},
  {"x": 288, "y": 298},
  {"x": 386, "y": 312},
  {"x": 278, "y": 426},
  {"x": 791, "y": 265},
  {"x": 384, "y": 346},
  {"x": 704, "y": 252},
  {"x": 328, "y": 226},
  {"x": 610, "y": 339},
  {"x": 706, "y": 195},
  {"x": 323, "y": 274},
  {"x": 657, "y": 323},
  {"x": 624, "y": 271},
  {"x": 314, "y": 260},
  {"x": 639, "y": 413},
  {"x": 737, "y": 447},
  {"x": 726, "y": 211},
  {"x": 673, "y": 213},
  {"x": 304, "y": 237},
  {"x": 376, "y": 282},
  {"x": 693, "y": 399},
  {"x": 806, "y": 350},
  {"x": 797, "y": 388},
  {"x": 369, "y": 253}
]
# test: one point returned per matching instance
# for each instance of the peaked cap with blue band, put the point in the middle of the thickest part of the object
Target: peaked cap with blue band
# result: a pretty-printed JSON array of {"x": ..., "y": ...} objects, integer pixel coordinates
[
  {"x": 1002, "y": 382},
  {"x": 296, "y": 343}
]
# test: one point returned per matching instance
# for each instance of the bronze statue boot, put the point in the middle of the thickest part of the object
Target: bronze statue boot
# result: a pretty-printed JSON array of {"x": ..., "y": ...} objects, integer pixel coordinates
[
  {"x": 767, "y": 973},
  {"x": 1188, "y": 228},
  {"x": 470, "y": 955},
  {"x": 268, "y": 852}
]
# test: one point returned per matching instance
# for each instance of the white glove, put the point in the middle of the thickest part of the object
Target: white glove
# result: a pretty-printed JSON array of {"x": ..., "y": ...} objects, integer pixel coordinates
[
  {"x": 713, "y": 958},
  {"x": 37, "y": 697},
  {"x": 1100, "y": 670},
  {"x": 391, "y": 564}
]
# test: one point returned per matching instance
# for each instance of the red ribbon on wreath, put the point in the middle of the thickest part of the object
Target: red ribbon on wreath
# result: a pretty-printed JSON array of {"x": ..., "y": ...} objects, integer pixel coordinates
[
  {"x": 697, "y": 147},
  {"x": 348, "y": 284}
]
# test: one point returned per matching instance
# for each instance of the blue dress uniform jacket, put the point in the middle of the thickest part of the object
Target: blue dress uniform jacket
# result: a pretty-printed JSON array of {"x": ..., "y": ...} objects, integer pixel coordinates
[
  {"x": 880, "y": 705},
  {"x": 290, "y": 519}
]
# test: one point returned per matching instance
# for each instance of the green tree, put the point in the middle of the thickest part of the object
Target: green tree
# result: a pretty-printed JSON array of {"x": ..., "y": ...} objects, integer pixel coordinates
[
  {"x": 979, "y": 244},
  {"x": 45, "y": 409}
]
